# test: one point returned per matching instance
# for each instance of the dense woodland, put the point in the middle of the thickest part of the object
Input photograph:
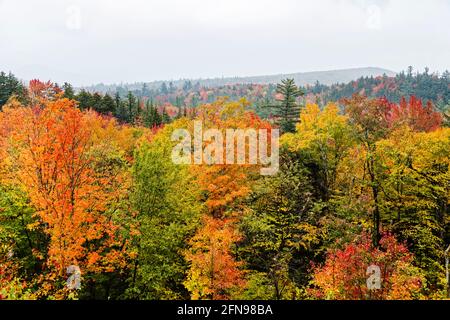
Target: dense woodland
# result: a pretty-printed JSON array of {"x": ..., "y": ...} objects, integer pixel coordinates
[
  {"x": 87, "y": 180},
  {"x": 424, "y": 85}
]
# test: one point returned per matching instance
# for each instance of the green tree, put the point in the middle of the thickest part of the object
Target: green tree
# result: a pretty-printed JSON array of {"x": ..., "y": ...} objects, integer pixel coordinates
[
  {"x": 168, "y": 213},
  {"x": 9, "y": 86},
  {"x": 369, "y": 118},
  {"x": 281, "y": 228},
  {"x": 164, "y": 90},
  {"x": 151, "y": 116},
  {"x": 416, "y": 194},
  {"x": 131, "y": 107},
  {"x": 108, "y": 104},
  {"x": 84, "y": 99},
  {"x": 325, "y": 137},
  {"x": 288, "y": 110},
  {"x": 444, "y": 108},
  {"x": 172, "y": 88},
  {"x": 69, "y": 93},
  {"x": 97, "y": 102},
  {"x": 16, "y": 237},
  {"x": 165, "y": 117}
]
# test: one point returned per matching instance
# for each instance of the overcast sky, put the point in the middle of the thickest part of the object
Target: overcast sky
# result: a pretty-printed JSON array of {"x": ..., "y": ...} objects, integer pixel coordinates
[{"x": 110, "y": 41}]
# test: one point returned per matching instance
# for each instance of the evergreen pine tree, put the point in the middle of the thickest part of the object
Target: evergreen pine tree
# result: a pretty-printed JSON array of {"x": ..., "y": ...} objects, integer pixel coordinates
[
  {"x": 145, "y": 92},
  {"x": 165, "y": 117},
  {"x": 172, "y": 88},
  {"x": 9, "y": 86},
  {"x": 187, "y": 85},
  {"x": 68, "y": 91},
  {"x": 179, "y": 113},
  {"x": 108, "y": 104},
  {"x": 84, "y": 99},
  {"x": 164, "y": 89},
  {"x": 151, "y": 116},
  {"x": 131, "y": 104},
  {"x": 287, "y": 112},
  {"x": 97, "y": 102},
  {"x": 157, "y": 117}
]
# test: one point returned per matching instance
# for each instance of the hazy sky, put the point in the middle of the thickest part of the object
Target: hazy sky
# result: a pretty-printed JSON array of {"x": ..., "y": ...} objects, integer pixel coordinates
[{"x": 91, "y": 41}]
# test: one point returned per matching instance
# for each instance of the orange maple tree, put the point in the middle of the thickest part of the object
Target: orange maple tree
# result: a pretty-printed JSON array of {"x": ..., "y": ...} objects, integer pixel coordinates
[
  {"x": 51, "y": 155},
  {"x": 214, "y": 271}
]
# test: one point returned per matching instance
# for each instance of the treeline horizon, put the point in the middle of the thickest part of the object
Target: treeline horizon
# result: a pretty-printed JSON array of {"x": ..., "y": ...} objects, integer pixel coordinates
[{"x": 171, "y": 101}]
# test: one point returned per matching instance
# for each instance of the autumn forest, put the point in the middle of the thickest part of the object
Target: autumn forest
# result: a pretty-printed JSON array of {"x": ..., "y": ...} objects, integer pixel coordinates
[{"x": 92, "y": 205}]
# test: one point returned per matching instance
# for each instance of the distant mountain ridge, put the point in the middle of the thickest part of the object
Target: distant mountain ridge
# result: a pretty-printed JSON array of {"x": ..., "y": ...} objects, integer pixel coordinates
[
  {"x": 324, "y": 77},
  {"x": 301, "y": 78}
]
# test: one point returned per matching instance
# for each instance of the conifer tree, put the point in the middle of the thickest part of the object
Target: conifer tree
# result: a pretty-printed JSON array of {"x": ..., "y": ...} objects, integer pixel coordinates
[
  {"x": 287, "y": 111},
  {"x": 68, "y": 91},
  {"x": 107, "y": 104},
  {"x": 151, "y": 117},
  {"x": 131, "y": 103},
  {"x": 165, "y": 116},
  {"x": 10, "y": 85}
]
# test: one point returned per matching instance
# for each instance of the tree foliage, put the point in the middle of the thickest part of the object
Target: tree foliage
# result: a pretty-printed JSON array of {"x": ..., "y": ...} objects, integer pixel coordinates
[{"x": 88, "y": 182}]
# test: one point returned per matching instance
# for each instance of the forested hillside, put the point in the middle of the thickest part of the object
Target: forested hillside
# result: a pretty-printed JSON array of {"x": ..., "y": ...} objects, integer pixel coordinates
[
  {"x": 428, "y": 86},
  {"x": 92, "y": 205},
  {"x": 301, "y": 78},
  {"x": 173, "y": 99}
]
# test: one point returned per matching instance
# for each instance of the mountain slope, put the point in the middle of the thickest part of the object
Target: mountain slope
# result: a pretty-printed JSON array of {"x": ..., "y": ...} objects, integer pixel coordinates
[{"x": 301, "y": 78}]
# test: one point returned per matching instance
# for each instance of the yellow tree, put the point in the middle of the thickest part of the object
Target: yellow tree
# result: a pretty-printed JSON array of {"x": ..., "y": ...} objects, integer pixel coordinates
[
  {"x": 416, "y": 193},
  {"x": 325, "y": 135}
]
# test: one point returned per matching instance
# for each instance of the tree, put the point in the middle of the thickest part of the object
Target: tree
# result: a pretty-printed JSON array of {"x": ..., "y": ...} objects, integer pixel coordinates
[
  {"x": 165, "y": 117},
  {"x": 418, "y": 117},
  {"x": 344, "y": 275},
  {"x": 222, "y": 190},
  {"x": 151, "y": 116},
  {"x": 214, "y": 273},
  {"x": 40, "y": 92},
  {"x": 326, "y": 138},
  {"x": 287, "y": 112},
  {"x": 69, "y": 93},
  {"x": 9, "y": 86},
  {"x": 16, "y": 213},
  {"x": 171, "y": 88},
  {"x": 165, "y": 199},
  {"x": 84, "y": 100},
  {"x": 281, "y": 228},
  {"x": 56, "y": 166},
  {"x": 416, "y": 194},
  {"x": 145, "y": 91},
  {"x": 164, "y": 90},
  {"x": 108, "y": 105},
  {"x": 444, "y": 109},
  {"x": 120, "y": 109},
  {"x": 12, "y": 287},
  {"x": 97, "y": 102},
  {"x": 187, "y": 85},
  {"x": 370, "y": 120},
  {"x": 131, "y": 107}
]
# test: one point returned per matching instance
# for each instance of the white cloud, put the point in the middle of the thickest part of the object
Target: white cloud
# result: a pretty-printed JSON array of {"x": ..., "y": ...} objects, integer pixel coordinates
[{"x": 86, "y": 41}]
